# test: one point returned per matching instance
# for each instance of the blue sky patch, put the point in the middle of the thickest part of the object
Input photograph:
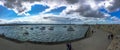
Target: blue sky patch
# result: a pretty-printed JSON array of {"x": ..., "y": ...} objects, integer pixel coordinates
[
  {"x": 7, "y": 14},
  {"x": 36, "y": 9},
  {"x": 115, "y": 13}
]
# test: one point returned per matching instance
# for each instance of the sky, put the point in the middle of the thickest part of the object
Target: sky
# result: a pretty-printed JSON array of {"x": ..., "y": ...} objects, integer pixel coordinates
[{"x": 60, "y": 11}]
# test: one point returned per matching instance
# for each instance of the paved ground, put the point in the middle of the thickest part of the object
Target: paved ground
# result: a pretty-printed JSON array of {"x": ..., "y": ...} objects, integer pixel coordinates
[{"x": 98, "y": 41}]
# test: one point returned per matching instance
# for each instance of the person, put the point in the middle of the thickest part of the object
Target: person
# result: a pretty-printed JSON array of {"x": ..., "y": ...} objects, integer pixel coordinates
[
  {"x": 110, "y": 36},
  {"x": 69, "y": 47}
]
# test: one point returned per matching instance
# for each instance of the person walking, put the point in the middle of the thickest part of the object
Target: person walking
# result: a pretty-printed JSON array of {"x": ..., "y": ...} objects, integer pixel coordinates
[
  {"x": 69, "y": 47},
  {"x": 110, "y": 36}
]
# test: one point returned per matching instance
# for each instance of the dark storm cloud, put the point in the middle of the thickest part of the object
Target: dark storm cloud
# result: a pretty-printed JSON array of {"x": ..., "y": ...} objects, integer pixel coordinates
[
  {"x": 87, "y": 11},
  {"x": 99, "y": 1},
  {"x": 17, "y": 4},
  {"x": 72, "y": 1},
  {"x": 22, "y": 1},
  {"x": 63, "y": 20},
  {"x": 115, "y": 6}
]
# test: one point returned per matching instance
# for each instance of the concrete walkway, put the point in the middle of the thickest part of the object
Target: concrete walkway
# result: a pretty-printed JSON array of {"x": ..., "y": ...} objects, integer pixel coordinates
[{"x": 98, "y": 41}]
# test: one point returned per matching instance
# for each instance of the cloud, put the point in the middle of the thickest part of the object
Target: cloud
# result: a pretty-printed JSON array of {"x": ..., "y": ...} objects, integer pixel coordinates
[
  {"x": 3, "y": 21},
  {"x": 86, "y": 11},
  {"x": 90, "y": 8},
  {"x": 53, "y": 19},
  {"x": 115, "y": 5},
  {"x": 44, "y": 19},
  {"x": 76, "y": 10},
  {"x": 1, "y": 3},
  {"x": 22, "y": 6},
  {"x": 19, "y": 6},
  {"x": 72, "y": 1},
  {"x": 30, "y": 20},
  {"x": 114, "y": 18}
]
